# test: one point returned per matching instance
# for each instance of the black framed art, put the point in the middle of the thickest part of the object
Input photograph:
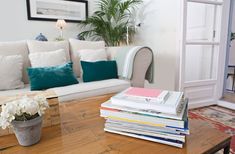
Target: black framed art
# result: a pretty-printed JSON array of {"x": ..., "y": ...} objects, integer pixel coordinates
[{"x": 51, "y": 10}]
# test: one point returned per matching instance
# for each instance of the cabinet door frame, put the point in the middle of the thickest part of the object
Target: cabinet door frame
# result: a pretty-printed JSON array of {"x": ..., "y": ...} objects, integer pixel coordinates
[{"x": 216, "y": 83}]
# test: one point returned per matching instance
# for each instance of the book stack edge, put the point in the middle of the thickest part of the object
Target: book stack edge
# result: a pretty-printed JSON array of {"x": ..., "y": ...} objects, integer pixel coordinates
[{"x": 138, "y": 113}]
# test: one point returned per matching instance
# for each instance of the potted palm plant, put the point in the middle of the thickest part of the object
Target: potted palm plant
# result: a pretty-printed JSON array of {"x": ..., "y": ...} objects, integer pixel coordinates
[
  {"x": 111, "y": 22},
  {"x": 232, "y": 36},
  {"x": 25, "y": 117}
]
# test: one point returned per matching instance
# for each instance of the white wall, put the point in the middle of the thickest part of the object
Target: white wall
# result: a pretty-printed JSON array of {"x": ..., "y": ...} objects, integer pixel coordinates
[
  {"x": 159, "y": 31},
  {"x": 160, "y": 20},
  {"x": 14, "y": 24}
]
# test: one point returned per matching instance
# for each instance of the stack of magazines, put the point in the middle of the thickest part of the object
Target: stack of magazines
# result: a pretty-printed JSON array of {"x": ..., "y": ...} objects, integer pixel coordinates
[{"x": 150, "y": 114}]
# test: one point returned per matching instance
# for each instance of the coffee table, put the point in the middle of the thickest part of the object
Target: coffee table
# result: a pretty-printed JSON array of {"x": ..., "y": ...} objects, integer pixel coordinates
[{"x": 81, "y": 131}]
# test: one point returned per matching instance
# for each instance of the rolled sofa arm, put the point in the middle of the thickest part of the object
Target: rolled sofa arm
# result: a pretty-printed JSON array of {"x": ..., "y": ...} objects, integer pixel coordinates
[{"x": 142, "y": 61}]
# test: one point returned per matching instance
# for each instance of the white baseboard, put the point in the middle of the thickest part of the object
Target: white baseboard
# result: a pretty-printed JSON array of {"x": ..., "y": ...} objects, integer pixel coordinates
[
  {"x": 202, "y": 104},
  {"x": 226, "y": 104},
  {"x": 221, "y": 103}
]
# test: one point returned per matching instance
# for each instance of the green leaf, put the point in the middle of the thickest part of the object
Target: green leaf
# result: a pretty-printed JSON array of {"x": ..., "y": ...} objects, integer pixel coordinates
[{"x": 110, "y": 21}]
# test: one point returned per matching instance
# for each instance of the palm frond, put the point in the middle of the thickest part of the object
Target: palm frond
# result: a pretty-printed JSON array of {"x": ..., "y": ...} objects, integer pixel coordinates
[
  {"x": 110, "y": 21},
  {"x": 232, "y": 36}
]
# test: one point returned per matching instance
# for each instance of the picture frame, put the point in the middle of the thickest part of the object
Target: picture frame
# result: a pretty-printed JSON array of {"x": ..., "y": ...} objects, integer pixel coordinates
[{"x": 52, "y": 10}]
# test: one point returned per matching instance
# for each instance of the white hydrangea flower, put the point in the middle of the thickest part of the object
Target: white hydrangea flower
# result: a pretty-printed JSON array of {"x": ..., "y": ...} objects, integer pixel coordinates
[
  {"x": 4, "y": 123},
  {"x": 43, "y": 104},
  {"x": 31, "y": 106}
]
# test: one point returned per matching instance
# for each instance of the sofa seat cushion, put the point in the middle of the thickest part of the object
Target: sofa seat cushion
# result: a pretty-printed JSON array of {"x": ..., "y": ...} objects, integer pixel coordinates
[
  {"x": 79, "y": 91},
  {"x": 14, "y": 92},
  {"x": 90, "y": 89}
]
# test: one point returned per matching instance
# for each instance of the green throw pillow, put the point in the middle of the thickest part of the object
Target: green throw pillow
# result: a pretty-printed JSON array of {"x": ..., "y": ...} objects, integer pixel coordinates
[
  {"x": 100, "y": 70},
  {"x": 49, "y": 77}
]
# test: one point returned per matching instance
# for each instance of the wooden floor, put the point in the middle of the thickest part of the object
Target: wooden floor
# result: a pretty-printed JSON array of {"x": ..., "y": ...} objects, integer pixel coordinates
[{"x": 229, "y": 97}]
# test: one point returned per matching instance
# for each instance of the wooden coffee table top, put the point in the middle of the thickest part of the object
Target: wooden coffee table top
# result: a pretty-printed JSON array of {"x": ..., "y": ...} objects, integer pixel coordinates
[{"x": 81, "y": 131}]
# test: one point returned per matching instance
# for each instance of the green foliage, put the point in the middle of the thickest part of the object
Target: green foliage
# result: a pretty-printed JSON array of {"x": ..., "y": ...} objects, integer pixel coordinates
[
  {"x": 25, "y": 117},
  {"x": 110, "y": 21},
  {"x": 232, "y": 36}
]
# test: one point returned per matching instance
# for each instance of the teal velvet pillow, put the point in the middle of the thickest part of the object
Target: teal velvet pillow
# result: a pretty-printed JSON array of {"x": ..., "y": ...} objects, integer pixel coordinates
[
  {"x": 49, "y": 77},
  {"x": 100, "y": 70}
]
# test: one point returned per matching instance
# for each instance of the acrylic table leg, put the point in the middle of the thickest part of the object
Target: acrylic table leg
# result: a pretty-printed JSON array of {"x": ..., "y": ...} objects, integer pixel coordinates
[{"x": 227, "y": 149}]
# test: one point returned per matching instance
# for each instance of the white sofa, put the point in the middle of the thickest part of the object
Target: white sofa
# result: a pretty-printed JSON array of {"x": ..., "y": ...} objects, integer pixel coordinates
[{"x": 81, "y": 90}]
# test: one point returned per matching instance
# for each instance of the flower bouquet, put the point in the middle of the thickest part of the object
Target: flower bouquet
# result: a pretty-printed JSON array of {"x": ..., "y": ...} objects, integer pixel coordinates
[{"x": 25, "y": 117}]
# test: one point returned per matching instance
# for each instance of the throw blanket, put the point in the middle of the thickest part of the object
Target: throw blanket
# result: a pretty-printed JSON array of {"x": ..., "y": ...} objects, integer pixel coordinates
[{"x": 125, "y": 59}]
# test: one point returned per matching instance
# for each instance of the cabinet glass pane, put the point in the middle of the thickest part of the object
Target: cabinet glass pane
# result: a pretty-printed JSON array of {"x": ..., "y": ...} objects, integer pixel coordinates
[
  {"x": 200, "y": 62},
  {"x": 202, "y": 20}
]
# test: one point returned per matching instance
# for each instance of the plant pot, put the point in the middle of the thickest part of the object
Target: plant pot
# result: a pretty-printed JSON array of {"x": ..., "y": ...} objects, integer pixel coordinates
[{"x": 28, "y": 132}]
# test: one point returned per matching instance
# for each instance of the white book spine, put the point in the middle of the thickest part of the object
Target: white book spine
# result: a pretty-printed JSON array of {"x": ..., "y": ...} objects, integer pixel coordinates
[
  {"x": 168, "y": 136},
  {"x": 149, "y": 119},
  {"x": 145, "y": 138},
  {"x": 147, "y": 106},
  {"x": 151, "y": 112}
]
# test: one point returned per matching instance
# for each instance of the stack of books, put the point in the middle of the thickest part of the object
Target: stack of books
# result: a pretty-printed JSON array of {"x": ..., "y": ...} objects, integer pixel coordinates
[{"x": 150, "y": 114}]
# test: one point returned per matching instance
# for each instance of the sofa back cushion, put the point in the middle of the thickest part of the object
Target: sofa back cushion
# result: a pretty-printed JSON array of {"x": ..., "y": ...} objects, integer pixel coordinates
[
  {"x": 40, "y": 46},
  {"x": 17, "y": 48},
  {"x": 76, "y": 45}
]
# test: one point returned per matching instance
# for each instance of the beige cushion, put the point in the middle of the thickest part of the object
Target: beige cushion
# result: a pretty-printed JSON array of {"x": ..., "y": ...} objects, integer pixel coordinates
[
  {"x": 90, "y": 89},
  {"x": 111, "y": 52},
  {"x": 81, "y": 90},
  {"x": 92, "y": 55},
  {"x": 17, "y": 48},
  {"x": 40, "y": 46},
  {"x": 11, "y": 72},
  {"x": 14, "y": 92},
  {"x": 76, "y": 45},
  {"x": 47, "y": 59}
]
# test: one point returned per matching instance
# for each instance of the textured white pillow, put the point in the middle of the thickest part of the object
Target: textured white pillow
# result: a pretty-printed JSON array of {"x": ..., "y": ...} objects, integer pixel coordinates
[
  {"x": 17, "y": 48},
  {"x": 47, "y": 59},
  {"x": 76, "y": 45},
  {"x": 45, "y": 46},
  {"x": 93, "y": 55},
  {"x": 11, "y": 72}
]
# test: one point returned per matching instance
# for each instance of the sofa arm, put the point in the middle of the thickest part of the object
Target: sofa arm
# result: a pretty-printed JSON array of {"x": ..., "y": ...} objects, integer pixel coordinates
[{"x": 142, "y": 61}]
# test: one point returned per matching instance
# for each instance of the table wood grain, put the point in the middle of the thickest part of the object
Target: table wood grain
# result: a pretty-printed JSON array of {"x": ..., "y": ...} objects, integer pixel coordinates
[{"x": 81, "y": 131}]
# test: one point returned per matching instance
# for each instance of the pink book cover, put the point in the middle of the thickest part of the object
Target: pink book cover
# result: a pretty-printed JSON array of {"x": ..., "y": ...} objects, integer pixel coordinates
[{"x": 143, "y": 92}]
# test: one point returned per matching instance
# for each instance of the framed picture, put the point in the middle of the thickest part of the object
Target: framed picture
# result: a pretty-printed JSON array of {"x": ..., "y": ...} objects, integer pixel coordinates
[{"x": 51, "y": 10}]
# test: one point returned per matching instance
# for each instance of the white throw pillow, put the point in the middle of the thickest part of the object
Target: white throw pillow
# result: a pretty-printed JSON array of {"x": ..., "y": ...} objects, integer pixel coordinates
[
  {"x": 11, "y": 72},
  {"x": 76, "y": 45},
  {"x": 92, "y": 55},
  {"x": 45, "y": 46},
  {"x": 17, "y": 48},
  {"x": 47, "y": 59}
]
